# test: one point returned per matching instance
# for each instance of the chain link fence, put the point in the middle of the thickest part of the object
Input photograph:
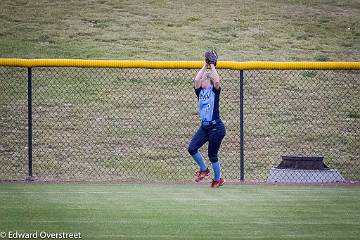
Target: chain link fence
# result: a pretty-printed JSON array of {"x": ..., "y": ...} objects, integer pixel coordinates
[
  {"x": 302, "y": 113},
  {"x": 13, "y": 123},
  {"x": 105, "y": 124}
]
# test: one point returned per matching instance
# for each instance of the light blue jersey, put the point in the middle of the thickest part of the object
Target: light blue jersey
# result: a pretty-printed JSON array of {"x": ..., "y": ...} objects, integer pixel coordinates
[{"x": 208, "y": 102}]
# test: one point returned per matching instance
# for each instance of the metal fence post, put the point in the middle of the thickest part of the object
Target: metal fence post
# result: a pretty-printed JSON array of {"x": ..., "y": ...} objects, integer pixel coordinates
[
  {"x": 241, "y": 125},
  {"x": 30, "y": 174}
]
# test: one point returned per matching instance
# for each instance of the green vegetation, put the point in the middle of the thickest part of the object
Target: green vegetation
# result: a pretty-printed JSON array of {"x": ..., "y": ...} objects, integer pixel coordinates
[
  {"x": 354, "y": 114},
  {"x": 151, "y": 211},
  {"x": 240, "y": 30}
]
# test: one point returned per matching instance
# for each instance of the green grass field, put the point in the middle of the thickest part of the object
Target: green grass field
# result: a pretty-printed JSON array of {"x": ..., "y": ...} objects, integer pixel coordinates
[
  {"x": 150, "y": 211},
  {"x": 242, "y": 30}
]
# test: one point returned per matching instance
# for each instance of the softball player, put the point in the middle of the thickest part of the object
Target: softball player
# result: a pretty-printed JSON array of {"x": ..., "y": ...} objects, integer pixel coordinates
[{"x": 212, "y": 130}]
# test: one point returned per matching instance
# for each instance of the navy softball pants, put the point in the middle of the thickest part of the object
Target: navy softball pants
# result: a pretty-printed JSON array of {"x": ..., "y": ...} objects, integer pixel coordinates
[{"x": 213, "y": 134}]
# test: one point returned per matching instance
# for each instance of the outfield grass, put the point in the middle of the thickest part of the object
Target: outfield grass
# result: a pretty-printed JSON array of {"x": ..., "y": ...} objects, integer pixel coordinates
[
  {"x": 241, "y": 30},
  {"x": 149, "y": 211}
]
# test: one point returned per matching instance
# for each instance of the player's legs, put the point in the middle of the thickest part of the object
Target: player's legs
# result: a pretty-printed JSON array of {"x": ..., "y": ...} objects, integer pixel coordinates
[
  {"x": 216, "y": 135},
  {"x": 199, "y": 139}
]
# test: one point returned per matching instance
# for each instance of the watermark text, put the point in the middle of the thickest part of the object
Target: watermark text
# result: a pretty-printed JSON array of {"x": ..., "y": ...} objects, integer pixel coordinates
[{"x": 39, "y": 235}]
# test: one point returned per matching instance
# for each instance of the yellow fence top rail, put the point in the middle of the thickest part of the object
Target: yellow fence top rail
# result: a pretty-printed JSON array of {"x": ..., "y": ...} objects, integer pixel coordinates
[{"x": 30, "y": 63}]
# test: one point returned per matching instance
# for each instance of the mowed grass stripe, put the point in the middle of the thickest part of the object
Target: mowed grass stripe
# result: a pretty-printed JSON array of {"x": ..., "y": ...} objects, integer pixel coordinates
[{"x": 175, "y": 211}]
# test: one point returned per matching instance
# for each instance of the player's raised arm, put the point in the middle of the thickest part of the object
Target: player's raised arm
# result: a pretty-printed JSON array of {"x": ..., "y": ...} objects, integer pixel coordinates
[
  {"x": 211, "y": 58},
  {"x": 199, "y": 76},
  {"x": 215, "y": 76}
]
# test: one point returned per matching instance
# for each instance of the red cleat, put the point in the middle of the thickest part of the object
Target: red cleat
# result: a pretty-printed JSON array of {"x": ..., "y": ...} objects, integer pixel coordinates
[
  {"x": 200, "y": 175},
  {"x": 216, "y": 184}
]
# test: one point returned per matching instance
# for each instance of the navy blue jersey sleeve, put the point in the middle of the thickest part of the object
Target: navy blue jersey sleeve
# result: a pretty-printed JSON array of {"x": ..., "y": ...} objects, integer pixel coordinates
[
  {"x": 197, "y": 91},
  {"x": 216, "y": 111},
  {"x": 217, "y": 91}
]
